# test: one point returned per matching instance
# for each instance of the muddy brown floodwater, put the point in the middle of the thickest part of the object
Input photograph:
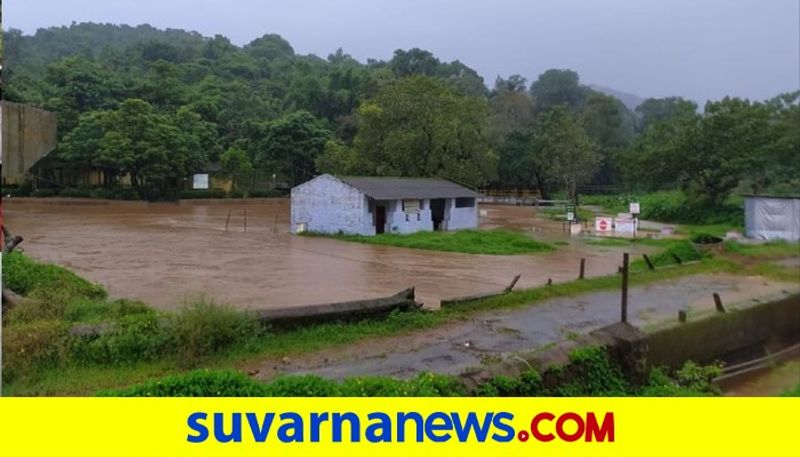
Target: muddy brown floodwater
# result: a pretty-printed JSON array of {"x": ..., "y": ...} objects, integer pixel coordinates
[{"x": 165, "y": 253}]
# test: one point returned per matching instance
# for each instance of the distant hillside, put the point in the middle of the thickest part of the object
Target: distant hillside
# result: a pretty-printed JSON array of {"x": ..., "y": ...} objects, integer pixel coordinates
[{"x": 630, "y": 100}]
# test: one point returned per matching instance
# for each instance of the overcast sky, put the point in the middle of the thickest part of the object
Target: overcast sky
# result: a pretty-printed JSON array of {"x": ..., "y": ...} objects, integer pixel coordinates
[{"x": 698, "y": 49}]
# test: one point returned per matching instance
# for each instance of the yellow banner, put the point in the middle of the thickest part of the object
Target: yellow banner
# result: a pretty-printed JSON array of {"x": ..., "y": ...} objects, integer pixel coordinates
[{"x": 399, "y": 427}]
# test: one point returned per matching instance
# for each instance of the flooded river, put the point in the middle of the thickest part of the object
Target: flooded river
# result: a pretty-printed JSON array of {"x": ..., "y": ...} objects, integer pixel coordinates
[{"x": 165, "y": 253}]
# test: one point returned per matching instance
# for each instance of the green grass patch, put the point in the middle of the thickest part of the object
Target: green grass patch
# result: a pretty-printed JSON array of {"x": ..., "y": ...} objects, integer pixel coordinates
[
  {"x": 794, "y": 392},
  {"x": 494, "y": 242},
  {"x": 772, "y": 249},
  {"x": 590, "y": 372},
  {"x": 26, "y": 276}
]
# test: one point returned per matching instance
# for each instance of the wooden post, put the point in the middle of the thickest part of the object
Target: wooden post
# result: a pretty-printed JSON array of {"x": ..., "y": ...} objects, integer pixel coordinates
[
  {"x": 275, "y": 222},
  {"x": 718, "y": 303},
  {"x": 513, "y": 283},
  {"x": 648, "y": 262},
  {"x": 624, "y": 298},
  {"x": 549, "y": 281},
  {"x": 245, "y": 220},
  {"x": 682, "y": 316},
  {"x": 228, "y": 220},
  {"x": 583, "y": 269}
]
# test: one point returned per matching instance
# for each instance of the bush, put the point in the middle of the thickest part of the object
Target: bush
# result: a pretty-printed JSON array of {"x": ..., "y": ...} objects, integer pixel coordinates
[
  {"x": 85, "y": 310},
  {"x": 28, "y": 348},
  {"x": 28, "y": 277},
  {"x": 705, "y": 238},
  {"x": 674, "y": 207},
  {"x": 210, "y": 193},
  {"x": 131, "y": 339},
  {"x": 529, "y": 384},
  {"x": 204, "y": 327},
  {"x": 269, "y": 193},
  {"x": 201, "y": 383},
  {"x": 44, "y": 193}
]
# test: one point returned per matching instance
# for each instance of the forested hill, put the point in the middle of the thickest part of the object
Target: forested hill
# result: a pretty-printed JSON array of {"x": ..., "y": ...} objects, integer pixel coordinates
[{"x": 157, "y": 105}]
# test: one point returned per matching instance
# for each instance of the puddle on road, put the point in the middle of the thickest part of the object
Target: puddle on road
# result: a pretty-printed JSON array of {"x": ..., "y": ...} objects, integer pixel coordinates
[{"x": 164, "y": 253}]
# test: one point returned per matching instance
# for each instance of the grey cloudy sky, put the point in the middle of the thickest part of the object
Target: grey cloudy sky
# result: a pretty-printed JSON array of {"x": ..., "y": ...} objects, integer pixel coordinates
[{"x": 697, "y": 49}]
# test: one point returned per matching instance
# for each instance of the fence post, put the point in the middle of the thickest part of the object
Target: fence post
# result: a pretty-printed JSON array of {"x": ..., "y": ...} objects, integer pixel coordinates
[
  {"x": 228, "y": 220},
  {"x": 648, "y": 262},
  {"x": 583, "y": 268},
  {"x": 624, "y": 298},
  {"x": 718, "y": 303}
]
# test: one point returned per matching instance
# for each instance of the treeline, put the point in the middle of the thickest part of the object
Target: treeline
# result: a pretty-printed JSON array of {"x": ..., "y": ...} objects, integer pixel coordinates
[{"x": 157, "y": 105}]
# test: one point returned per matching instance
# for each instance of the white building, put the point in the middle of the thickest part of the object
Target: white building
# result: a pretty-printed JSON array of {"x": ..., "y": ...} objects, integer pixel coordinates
[{"x": 373, "y": 205}]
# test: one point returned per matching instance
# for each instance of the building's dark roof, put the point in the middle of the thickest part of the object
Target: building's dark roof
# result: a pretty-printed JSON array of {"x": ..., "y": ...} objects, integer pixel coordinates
[{"x": 382, "y": 188}]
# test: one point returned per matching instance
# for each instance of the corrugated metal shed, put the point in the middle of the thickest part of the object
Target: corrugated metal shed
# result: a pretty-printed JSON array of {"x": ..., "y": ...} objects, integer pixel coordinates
[{"x": 385, "y": 188}]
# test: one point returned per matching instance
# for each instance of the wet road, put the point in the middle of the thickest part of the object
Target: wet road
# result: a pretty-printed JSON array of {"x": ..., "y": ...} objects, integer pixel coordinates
[
  {"x": 166, "y": 253},
  {"x": 497, "y": 334}
]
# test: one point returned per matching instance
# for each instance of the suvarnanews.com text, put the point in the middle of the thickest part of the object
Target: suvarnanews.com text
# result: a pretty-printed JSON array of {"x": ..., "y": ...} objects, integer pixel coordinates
[{"x": 400, "y": 427}]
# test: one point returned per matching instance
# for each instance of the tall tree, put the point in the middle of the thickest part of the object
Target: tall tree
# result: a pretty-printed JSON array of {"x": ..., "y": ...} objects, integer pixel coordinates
[
  {"x": 655, "y": 110},
  {"x": 572, "y": 157},
  {"x": 419, "y": 126},
  {"x": 558, "y": 87}
]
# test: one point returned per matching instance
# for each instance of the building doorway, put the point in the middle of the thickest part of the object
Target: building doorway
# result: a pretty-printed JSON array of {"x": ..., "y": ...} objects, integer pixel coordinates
[
  {"x": 437, "y": 213},
  {"x": 380, "y": 219}
]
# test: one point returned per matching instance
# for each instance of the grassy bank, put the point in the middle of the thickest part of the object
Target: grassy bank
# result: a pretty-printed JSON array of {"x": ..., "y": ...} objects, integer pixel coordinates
[
  {"x": 495, "y": 242},
  {"x": 590, "y": 372}
]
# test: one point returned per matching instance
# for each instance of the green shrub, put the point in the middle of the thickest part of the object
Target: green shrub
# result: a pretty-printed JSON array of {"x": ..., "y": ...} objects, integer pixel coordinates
[
  {"x": 200, "y": 383},
  {"x": 131, "y": 339},
  {"x": 204, "y": 327},
  {"x": 269, "y": 193},
  {"x": 301, "y": 386},
  {"x": 26, "y": 276},
  {"x": 44, "y": 193},
  {"x": 210, "y": 193},
  {"x": 704, "y": 238},
  {"x": 528, "y": 384},
  {"x": 683, "y": 249},
  {"x": 674, "y": 207},
  {"x": 85, "y": 310},
  {"x": 29, "y": 348}
]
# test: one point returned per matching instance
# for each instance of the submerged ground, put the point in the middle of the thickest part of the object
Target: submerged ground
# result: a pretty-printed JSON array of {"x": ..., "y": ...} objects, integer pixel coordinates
[{"x": 163, "y": 253}]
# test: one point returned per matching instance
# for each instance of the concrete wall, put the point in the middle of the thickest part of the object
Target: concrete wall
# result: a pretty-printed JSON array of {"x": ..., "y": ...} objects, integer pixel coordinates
[
  {"x": 400, "y": 222},
  {"x": 328, "y": 205},
  {"x": 460, "y": 218},
  {"x": 28, "y": 134}
]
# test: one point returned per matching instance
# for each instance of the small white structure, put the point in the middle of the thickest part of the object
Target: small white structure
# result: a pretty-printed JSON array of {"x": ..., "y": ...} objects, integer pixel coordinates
[
  {"x": 772, "y": 218},
  {"x": 373, "y": 205}
]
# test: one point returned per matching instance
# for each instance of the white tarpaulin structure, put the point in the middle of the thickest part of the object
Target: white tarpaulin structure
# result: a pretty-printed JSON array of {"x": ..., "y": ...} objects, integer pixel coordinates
[{"x": 772, "y": 218}]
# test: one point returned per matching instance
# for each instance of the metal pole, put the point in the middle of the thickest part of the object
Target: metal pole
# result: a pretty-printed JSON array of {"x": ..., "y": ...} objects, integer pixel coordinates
[{"x": 624, "y": 316}]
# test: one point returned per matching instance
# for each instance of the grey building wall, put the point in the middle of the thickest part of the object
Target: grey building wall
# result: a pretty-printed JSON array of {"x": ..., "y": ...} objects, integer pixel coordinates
[{"x": 328, "y": 205}]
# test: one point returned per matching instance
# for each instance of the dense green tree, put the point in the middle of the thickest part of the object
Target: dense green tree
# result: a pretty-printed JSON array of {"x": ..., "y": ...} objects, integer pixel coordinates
[
  {"x": 136, "y": 140},
  {"x": 419, "y": 126},
  {"x": 289, "y": 145},
  {"x": 655, "y": 110},
  {"x": 558, "y": 88},
  {"x": 571, "y": 159},
  {"x": 234, "y": 164}
]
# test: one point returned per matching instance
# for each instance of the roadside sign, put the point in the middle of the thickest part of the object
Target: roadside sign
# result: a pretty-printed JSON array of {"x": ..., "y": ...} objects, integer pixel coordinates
[
  {"x": 634, "y": 208},
  {"x": 602, "y": 224},
  {"x": 570, "y": 216},
  {"x": 624, "y": 225}
]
